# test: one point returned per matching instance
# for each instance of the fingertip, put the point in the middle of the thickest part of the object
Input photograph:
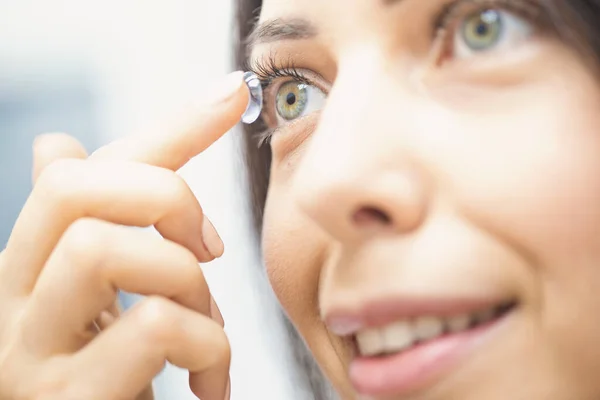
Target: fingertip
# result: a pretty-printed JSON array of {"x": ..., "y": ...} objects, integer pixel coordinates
[
  {"x": 237, "y": 100},
  {"x": 49, "y": 147},
  {"x": 54, "y": 141},
  {"x": 211, "y": 239},
  {"x": 231, "y": 88}
]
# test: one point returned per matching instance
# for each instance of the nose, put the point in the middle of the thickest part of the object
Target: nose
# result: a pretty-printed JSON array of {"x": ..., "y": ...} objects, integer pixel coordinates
[
  {"x": 350, "y": 205},
  {"x": 357, "y": 177}
]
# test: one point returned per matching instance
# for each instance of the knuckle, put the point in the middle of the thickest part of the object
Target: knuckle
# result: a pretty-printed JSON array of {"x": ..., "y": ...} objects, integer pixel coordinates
[
  {"x": 176, "y": 189},
  {"x": 190, "y": 282},
  {"x": 192, "y": 275},
  {"x": 223, "y": 343},
  {"x": 189, "y": 260},
  {"x": 223, "y": 347},
  {"x": 156, "y": 319},
  {"x": 220, "y": 348},
  {"x": 86, "y": 241}
]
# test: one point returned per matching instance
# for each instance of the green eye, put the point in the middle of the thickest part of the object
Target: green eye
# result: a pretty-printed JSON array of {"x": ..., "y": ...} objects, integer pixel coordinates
[
  {"x": 483, "y": 30},
  {"x": 291, "y": 100}
]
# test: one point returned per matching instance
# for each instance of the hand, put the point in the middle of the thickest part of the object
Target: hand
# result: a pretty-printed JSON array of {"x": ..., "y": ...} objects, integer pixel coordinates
[{"x": 70, "y": 252}]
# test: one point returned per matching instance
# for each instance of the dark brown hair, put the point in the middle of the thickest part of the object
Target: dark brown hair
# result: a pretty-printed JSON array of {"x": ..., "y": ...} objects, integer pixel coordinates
[
  {"x": 577, "y": 22},
  {"x": 258, "y": 159},
  {"x": 309, "y": 378}
]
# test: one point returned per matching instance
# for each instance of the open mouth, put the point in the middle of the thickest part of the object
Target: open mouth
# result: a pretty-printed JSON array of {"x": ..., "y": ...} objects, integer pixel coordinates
[
  {"x": 402, "y": 335},
  {"x": 409, "y": 354}
]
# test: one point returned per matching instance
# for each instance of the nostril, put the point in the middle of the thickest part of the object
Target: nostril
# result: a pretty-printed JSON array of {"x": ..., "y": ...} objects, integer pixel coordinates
[{"x": 369, "y": 216}]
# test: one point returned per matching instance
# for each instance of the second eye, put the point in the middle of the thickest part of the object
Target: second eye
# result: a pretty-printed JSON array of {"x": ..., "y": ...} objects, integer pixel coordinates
[{"x": 296, "y": 99}]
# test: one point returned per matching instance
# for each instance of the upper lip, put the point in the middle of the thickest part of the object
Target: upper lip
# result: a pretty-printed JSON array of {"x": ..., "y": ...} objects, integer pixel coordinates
[{"x": 379, "y": 312}]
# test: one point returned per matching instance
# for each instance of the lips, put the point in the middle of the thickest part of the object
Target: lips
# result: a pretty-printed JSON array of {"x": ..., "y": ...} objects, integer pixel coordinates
[{"x": 404, "y": 345}]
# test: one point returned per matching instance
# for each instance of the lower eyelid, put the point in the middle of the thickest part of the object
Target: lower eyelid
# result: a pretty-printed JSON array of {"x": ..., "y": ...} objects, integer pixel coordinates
[
  {"x": 287, "y": 138},
  {"x": 292, "y": 132}
]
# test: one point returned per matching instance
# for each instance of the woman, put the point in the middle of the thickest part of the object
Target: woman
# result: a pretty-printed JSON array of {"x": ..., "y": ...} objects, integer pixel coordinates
[{"x": 430, "y": 221}]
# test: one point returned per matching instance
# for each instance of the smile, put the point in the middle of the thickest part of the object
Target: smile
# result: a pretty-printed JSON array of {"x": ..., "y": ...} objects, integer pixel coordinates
[
  {"x": 405, "y": 346},
  {"x": 402, "y": 335}
]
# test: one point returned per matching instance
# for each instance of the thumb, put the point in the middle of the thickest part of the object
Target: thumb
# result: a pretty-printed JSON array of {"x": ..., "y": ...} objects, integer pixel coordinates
[{"x": 50, "y": 147}]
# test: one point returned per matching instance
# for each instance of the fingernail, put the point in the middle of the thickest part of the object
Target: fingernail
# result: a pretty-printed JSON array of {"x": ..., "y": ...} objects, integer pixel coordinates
[
  {"x": 226, "y": 88},
  {"x": 212, "y": 241}
]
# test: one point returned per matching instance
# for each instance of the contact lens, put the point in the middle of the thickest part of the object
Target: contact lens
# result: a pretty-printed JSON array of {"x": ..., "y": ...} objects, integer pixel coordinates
[{"x": 255, "y": 103}]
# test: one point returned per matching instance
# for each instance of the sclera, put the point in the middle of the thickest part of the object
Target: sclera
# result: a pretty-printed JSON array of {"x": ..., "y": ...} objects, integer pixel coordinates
[{"x": 255, "y": 102}]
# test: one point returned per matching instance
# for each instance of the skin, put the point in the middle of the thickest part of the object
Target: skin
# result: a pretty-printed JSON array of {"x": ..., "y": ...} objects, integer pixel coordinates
[
  {"x": 75, "y": 224},
  {"x": 488, "y": 168}
]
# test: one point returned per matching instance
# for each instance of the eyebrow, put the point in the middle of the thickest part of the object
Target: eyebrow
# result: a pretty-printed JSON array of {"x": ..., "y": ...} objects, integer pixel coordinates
[
  {"x": 281, "y": 29},
  {"x": 288, "y": 29}
]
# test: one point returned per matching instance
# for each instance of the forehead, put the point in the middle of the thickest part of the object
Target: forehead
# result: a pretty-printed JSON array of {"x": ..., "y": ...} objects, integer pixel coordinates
[
  {"x": 272, "y": 9},
  {"x": 323, "y": 12},
  {"x": 340, "y": 9},
  {"x": 294, "y": 6},
  {"x": 337, "y": 22}
]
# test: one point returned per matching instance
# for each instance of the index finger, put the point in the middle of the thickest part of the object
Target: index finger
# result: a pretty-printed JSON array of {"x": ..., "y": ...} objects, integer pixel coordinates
[{"x": 172, "y": 150}]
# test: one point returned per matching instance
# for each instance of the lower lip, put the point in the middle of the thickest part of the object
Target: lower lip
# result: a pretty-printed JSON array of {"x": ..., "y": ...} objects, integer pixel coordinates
[{"x": 416, "y": 368}]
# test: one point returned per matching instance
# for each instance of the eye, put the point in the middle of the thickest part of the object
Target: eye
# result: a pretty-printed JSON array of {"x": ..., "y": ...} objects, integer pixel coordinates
[
  {"x": 488, "y": 30},
  {"x": 296, "y": 99}
]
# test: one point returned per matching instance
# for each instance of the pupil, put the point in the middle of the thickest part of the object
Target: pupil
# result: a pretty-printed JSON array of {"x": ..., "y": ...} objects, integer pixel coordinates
[
  {"x": 290, "y": 99},
  {"x": 482, "y": 29}
]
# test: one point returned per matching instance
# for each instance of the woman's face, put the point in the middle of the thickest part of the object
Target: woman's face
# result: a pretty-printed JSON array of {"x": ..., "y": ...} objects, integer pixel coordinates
[{"x": 433, "y": 222}]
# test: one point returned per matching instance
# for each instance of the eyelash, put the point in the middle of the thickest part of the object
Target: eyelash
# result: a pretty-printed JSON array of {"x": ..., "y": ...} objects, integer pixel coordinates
[{"x": 269, "y": 68}]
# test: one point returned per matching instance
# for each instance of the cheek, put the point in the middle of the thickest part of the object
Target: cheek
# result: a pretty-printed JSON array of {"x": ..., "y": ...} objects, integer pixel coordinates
[
  {"x": 526, "y": 166},
  {"x": 540, "y": 185},
  {"x": 537, "y": 187},
  {"x": 293, "y": 254}
]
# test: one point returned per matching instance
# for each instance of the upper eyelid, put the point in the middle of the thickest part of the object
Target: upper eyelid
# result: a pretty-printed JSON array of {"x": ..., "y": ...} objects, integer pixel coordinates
[
  {"x": 458, "y": 8},
  {"x": 268, "y": 82},
  {"x": 269, "y": 70}
]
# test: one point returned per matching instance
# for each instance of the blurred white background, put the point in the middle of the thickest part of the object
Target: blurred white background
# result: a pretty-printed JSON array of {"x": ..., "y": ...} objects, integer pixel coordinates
[{"x": 102, "y": 69}]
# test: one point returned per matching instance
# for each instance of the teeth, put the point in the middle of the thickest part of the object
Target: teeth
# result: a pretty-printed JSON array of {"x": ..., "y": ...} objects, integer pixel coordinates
[
  {"x": 428, "y": 327},
  {"x": 398, "y": 336},
  {"x": 484, "y": 316},
  {"x": 402, "y": 335},
  {"x": 370, "y": 342},
  {"x": 459, "y": 323}
]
